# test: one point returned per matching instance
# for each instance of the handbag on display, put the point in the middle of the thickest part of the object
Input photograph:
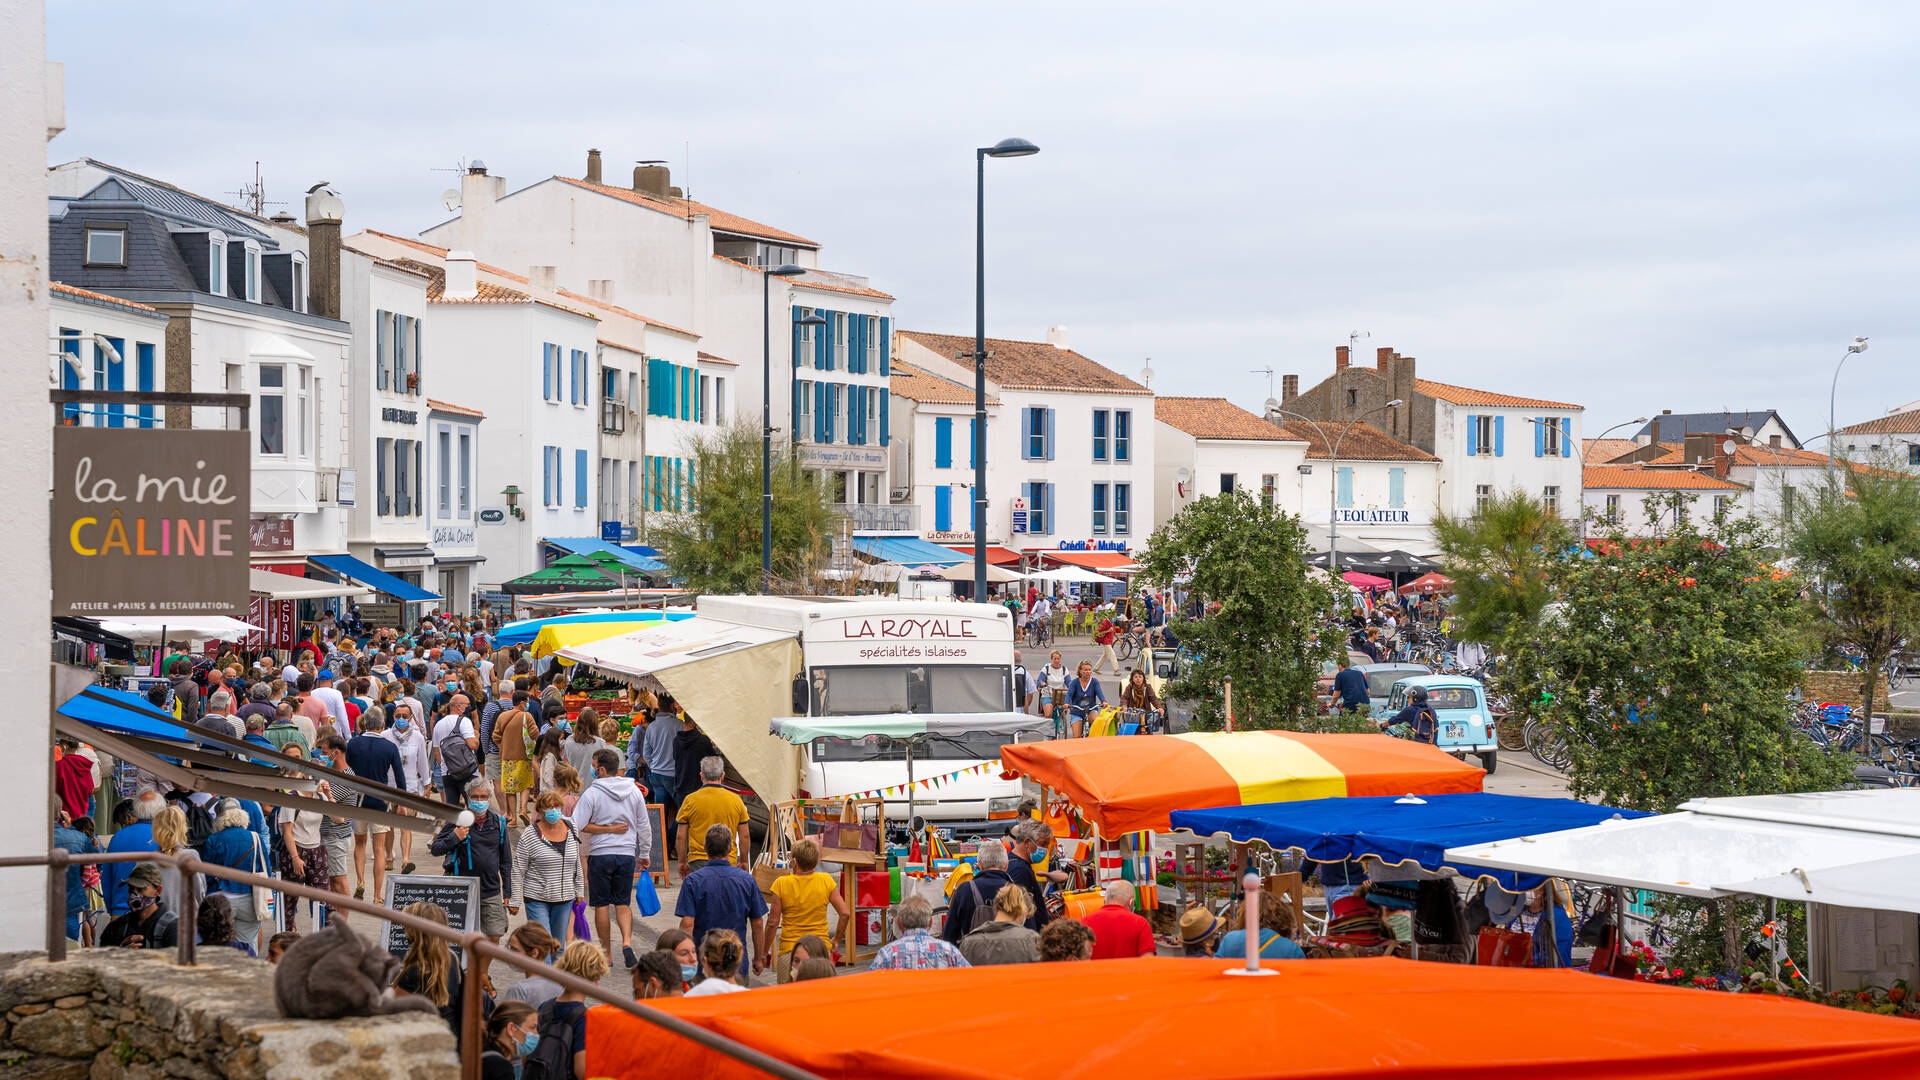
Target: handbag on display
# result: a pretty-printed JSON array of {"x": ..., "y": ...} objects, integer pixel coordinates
[
  {"x": 1499, "y": 947},
  {"x": 1610, "y": 959}
]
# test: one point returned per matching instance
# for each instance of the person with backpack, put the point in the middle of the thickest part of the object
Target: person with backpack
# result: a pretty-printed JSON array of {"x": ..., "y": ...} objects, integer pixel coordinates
[
  {"x": 561, "y": 1053},
  {"x": 512, "y": 1034},
  {"x": 370, "y": 756},
  {"x": 456, "y": 746},
  {"x": 1417, "y": 721},
  {"x": 1004, "y": 939},
  {"x": 971, "y": 905},
  {"x": 148, "y": 922}
]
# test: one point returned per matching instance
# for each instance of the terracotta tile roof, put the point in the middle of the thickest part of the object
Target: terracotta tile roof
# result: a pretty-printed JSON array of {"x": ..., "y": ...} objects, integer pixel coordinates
[
  {"x": 457, "y": 410},
  {"x": 1214, "y": 418},
  {"x": 617, "y": 310},
  {"x": 1749, "y": 454},
  {"x": 682, "y": 208},
  {"x": 422, "y": 245},
  {"x": 1032, "y": 365},
  {"x": 103, "y": 298},
  {"x": 485, "y": 292},
  {"x": 1601, "y": 451},
  {"x": 1462, "y": 395},
  {"x": 1364, "y": 443},
  {"x": 815, "y": 283},
  {"x": 916, "y": 385},
  {"x": 1638, "y": 478},
  {"x": 709, "y": 358},
  {"x": 1901, "y": 423}
]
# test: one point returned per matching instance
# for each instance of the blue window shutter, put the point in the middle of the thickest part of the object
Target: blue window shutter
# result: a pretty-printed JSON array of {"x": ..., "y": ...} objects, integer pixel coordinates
[
  {"x": 1396, "y": 488},
  {"x": 794, "y": 314},
  {"x": 886, "y": 435},
  {"x": 942, "y": 508},
  {"x": 943, "y": 442},
  {"x": 414, "y": 326},
  {"x": 973, "y": 445},
  {"x": 546, "y": 372},
  {"x": 856, "y": 344},
  {"x": 579, "y": 377},
  {"x": 579, "y": 478},
  {"x": 1346, "y": 487},
  {"x": 1052, "y": 525},
  {"x": 116, "y": 379},
  {"x": 380, "y": 321},
  {"x": 145, "y": 358},
  {"x": 1048, "y": 439},
  {"x": 822, "y": 338},
  {"x": 546, "y": 475},
  {"x": 1026, "y": 435},
  {"x": 69, "y": 378},
  {"x": 1499, "y": 436},
  {"x": 1473, "y": 434},
  {"x": 1566, "y": 436},
  {"x": 819, "y": 409},
  {"x": 1539, "y": 436},
  {"x": 886, "y": 346},
  {"x": 973, "y": 508}
]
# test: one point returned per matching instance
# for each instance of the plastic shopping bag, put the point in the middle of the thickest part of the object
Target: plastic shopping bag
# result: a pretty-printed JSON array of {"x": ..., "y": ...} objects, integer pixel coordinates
[
  {"x": 580, "y": 930},
  {"x": 644, "y": 896}
]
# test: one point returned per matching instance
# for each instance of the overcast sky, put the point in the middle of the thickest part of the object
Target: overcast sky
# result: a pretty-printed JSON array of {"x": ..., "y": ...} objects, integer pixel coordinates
[{"x": 1629, "y": 206}]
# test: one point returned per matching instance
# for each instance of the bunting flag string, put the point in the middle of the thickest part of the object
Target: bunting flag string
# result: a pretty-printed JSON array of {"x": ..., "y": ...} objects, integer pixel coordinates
[{"x": 926, "y": 783}]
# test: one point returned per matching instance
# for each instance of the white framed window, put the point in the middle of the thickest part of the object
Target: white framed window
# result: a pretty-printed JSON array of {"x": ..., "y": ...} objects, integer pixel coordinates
[
  {"x": 466, "y": 473},
  {"x": 1482, "y": 498},
  {"x": 273, "y": 409},
  {"x": 1613, "y": 508},
  {"x": 706, "y": 399},
  {"x": 1720, "y": 504},
  {"x": 1550, "y": 436},
  {"x": 806, "y": 329},
  {"x": 1122, "y": 505},
  {"x": 1550, "y": 496},
  {"x": 1099, "y": 509},
  {"x": 839, "y": 341},
  {"x": 303, "y": 413},
  {"x": 250, "y": 277},
  {"x": 217, "y": 263},
  {"x": 298, "y": 269},
  {"x": 719, "y": 399},
  {"x": 873, "y": 414},
  {"x": 1269, "y": 484},
  {"x": 1483, "y": 435},
  {"x": 872, "y": 338},
  {"x": 444, "y": 463},
  {"x": 106, "y": 245},
  {"x": 805, "y": 390}
]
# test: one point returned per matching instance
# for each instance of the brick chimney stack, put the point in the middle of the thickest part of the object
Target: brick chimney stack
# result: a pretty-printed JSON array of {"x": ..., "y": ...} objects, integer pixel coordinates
[
  {"x": 324, "y": 214},
  {"x": 1381, "y": 358},
  {"x": 1340, "y": 357},
  {"x": 1289, "y": 388},
  {"x": 1722, "y": 460}
]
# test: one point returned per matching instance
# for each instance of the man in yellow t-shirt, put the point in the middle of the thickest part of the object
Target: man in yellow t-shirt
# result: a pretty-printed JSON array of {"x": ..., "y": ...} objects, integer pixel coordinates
[{"x": 710, "y": 805}]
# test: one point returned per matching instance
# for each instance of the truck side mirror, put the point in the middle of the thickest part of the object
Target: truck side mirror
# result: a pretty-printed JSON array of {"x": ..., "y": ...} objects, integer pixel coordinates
[{"x": 800, "y": 694}]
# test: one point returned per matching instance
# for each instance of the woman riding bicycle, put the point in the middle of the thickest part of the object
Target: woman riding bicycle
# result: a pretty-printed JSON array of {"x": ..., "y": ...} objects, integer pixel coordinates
[{"x": 1138, "y": 697}]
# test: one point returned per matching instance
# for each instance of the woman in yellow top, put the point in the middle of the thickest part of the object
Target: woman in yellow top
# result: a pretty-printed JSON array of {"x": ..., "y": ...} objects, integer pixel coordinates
[{"x": 799, "y": 907}]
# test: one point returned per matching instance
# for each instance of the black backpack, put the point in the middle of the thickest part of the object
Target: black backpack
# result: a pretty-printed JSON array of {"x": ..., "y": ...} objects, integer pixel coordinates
[
  {"x": 199, "y": 822},
  {"x": 982, "y": 907},
  {"x": 552, "y": 1057},
  {"x": 456, "y": 757}
]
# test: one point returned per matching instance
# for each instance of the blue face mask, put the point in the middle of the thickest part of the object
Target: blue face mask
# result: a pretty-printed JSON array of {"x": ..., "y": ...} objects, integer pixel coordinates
[
  {"x": 553, "y": 817},
  {"x": 402, "y": 723},
  {"x": 478, "y": 806},
  {"x": 688, "y": 972},
  {"x": 528, "y": 1042}
]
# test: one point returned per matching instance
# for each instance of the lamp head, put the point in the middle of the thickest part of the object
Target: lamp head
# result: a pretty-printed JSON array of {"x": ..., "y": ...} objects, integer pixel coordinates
[
  {"x": 1859, "y": 345},
  {"x": 1011, "y": 148},
  {"x": 1395, "y": 403},
  {"x": 786, "y": 270},
  {"x": 1638, "y": 420},
  {"x": 811, "y": 320}
]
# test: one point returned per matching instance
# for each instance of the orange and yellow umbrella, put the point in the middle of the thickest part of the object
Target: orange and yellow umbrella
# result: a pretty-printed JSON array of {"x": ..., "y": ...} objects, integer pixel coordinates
[{"x": 1131, "y": 783}]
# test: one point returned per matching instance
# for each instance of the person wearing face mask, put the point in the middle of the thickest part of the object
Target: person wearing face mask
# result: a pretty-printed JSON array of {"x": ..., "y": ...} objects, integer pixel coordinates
[
  {"x": 148, "y": 923},
  {"x": 480, "y": 850},
  {"x": 546, "y": 863},
  {"x": 411, "y": 742},
  {"x": 678, "y": 944},
  {"x": 512, "y": 1033}
]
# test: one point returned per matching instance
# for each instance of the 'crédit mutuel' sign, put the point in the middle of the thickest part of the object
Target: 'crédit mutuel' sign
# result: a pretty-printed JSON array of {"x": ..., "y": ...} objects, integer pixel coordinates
[{"x": 150, "y": 522}]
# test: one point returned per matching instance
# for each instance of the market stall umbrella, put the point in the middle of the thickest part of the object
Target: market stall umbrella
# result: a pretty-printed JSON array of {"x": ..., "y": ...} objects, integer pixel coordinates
[
  {"x": 1365, "y": 581},
  {"x": 911, "y": 729},
  {"x": 1427, "y": 585},
  {"x": 996, "y": 575},
  {"x": 551, "y": 639},
  {"x": 1125, "y": 784},
  {"x": 1398, "y": 562},
  {"x": 1400, "y": 831},
  {"x": 525, "y": 630},
  {"x": 147, "y": 629},
  {"x": 1073, "y": 573},
  {"x": 1328, "y": 1019},
  {"x": 568, "y": 573}
]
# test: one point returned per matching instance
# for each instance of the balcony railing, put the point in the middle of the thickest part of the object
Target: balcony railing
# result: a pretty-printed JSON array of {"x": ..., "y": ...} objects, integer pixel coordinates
[
  {"x": 613, "y": 417},
  {"x": 882, "y": 517}
]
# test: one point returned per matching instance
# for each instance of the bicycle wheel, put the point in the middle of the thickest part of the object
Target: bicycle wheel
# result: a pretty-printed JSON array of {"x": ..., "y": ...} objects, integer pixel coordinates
[{"x": 1509, "y": 733}]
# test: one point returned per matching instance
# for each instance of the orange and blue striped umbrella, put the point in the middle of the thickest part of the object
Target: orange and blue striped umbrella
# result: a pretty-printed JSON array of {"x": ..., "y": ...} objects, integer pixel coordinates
[{"x": 1131, "y": 783}]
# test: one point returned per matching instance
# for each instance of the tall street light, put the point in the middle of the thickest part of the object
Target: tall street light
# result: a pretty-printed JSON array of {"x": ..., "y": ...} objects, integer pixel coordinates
[
  {"x": 1005, "y": 148},
  {"x": 1587, "y": 450},
  {"x": 1859, "y": 346},
  {"x": 766, "y": 418}
]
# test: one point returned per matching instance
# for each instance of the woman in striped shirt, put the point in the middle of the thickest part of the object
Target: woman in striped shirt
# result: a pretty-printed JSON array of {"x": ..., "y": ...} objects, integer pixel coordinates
[{"x": 546, "y": 864}]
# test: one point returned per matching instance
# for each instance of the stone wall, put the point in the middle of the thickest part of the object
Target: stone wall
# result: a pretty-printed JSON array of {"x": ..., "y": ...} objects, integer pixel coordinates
[
  {"x": 104, "y": 1014},
  {"x": 1843, "y": 687}
]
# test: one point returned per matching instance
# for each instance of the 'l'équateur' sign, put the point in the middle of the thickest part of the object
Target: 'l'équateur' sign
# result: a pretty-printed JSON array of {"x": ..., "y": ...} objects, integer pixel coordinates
[{"x": 150, "y": 522}]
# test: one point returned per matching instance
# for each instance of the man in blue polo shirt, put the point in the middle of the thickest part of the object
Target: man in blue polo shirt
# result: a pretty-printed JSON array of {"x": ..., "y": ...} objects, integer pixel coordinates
[
  {"x": 1350, "y": 687},
  {"x": 721, "y": 896}
]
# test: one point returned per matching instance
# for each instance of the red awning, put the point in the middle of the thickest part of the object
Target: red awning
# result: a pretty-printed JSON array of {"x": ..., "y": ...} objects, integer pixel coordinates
[
  {"x": 996, "y": 556},
  {"x": 1093, "y": 560}
]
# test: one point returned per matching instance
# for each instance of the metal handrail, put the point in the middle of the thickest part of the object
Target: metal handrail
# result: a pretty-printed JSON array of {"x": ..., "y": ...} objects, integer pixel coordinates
[{"x": 475, "y": 943}]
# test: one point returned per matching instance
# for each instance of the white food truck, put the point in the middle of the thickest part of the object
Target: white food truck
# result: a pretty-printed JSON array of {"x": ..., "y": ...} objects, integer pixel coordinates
[{"x": 868, "y": 657}]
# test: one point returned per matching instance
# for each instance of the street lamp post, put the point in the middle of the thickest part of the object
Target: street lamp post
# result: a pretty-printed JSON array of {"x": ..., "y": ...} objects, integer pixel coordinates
[
  {"x": 766, "y": 419},
  {"x": 1333, "y": 486},
  {"x": 1586, "y": 450},
  {"x": 1003, "y": 148},
  {"x": 1859, "y": 346}
]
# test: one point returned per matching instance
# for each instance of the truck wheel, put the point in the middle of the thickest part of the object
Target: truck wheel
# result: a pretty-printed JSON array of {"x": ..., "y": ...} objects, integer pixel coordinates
[{"x": 1489, "y": 761}]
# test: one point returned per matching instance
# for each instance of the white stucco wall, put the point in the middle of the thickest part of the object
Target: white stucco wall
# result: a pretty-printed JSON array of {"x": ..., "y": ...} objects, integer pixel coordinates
[
  {"x": 366, "y": 288},
  {"x": 1248, "y": 460},
  {"x": 1517, "y": 467}
]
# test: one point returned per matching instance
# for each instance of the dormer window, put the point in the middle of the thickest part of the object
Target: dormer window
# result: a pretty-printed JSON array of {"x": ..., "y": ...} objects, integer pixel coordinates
[
  {"x": 298, "y": 268},
  {"x": 217, "y": 263},
  {"x": 252, "y": 273},
  {"x": 106, "y": 245}
]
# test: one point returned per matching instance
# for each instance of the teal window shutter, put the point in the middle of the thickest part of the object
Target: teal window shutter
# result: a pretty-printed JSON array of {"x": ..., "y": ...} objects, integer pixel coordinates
[
  {"x": 943, "y": 442},
  {"x": 1346, "y": 488},
  {"x": 1566, "y": 436},
  {"x": 886, "y": 346},
  {"x": 857, "y": 344},
  {"x": 1049, "y": 439},
  {"x": 886, "y": 436},
  {"x": 580, "y": 476},
  {"x": 822, "y": 340},
  {"x": 942, "y": 508},
  {"x": 1539, "y": 436},
  {"x": 1499, "y": 436},
  {"x": 116, "y": 377},
  {"x": 1473, "y": 435},
  {"x": 1396, "y": 488},
  {"x": 144, "y": 352}
]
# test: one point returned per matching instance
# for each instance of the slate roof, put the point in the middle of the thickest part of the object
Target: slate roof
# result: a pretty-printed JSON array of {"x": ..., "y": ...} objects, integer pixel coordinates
[
  {"x": 1215, "y": 418},
  {"x": 1032, "y": 365},
  {"x": 1675, "y": 425}
]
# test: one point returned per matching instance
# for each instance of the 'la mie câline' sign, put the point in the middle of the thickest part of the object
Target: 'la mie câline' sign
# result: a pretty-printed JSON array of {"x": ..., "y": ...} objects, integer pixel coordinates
[{"x": 150, "y": 522}]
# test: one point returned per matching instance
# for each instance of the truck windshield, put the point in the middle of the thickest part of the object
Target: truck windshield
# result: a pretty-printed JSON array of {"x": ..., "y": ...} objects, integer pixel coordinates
[
  {"x": 972, "y": 746},
  {"x": 909, "y": 688}
]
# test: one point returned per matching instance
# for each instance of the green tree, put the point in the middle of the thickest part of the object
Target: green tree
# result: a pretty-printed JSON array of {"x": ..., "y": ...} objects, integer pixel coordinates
[
  {"x": 1859, "y": 559},
  {"x": 714, "y": 545},
  {"x": 1499, "y": 561},
  {"x": 1267, "y": 633},
  {"x": 1667, "y": 666}
]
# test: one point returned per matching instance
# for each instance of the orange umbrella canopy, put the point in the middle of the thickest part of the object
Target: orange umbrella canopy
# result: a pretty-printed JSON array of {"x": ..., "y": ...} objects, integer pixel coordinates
[
  {"x": 1324, "y": 1019},
  {"x": 1427, "y": 584},
  {"x": 1131, "y": 783}
]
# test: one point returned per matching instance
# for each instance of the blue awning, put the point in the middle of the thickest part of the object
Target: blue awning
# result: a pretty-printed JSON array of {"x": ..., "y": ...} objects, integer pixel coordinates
[
  {"x": 593, "y": 545},
  {"x": 130, "y": 714},
  {"x": 374, "y": 578},
  {"x": 642, "y": 549},
  {"x": 908, "y": 551},
  {"x": 1332, "y": 830},
  {"x": 524, "y": 631}
]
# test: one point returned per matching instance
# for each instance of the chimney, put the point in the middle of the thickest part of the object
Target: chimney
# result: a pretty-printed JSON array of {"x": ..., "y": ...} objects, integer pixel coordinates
[
  {"x": 1400, "y": 385},
  {"x": 593, "y": 166},
  {"x": 1289, "y": 388},
  {"x": 1381, "y": 359},
  {"x": 1057, "y": 337},
  {"x": 652, "y": 180},
  {"x": 324, "y": 214},
  {"x": 463, "y": 278},
  {"x": 1722, "y": 460},
  {"x": 601, "y": 289},
  {"x": 1658, "y": 436},
  {"x": 1340, "y": 354},
  {"x": 543, "y": 277},
  {"x": 478, "y": 190},
  {"x": 1698, "y": 449}
]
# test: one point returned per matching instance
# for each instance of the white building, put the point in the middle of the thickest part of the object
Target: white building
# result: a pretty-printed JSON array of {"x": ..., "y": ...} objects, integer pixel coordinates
[
  {"x": 1210, "y": 446},
  {"x": 1641, "y": 501},
  {"x": 1489, "y": 442},
  {"x": 932, "y": 426},
  {"x": 1380, "y": 490},
  {"x": 102, "y": 342},
  {"x": 1892, "y": 440},
  {"x": 527, "y": 364},
  {"x": 452, "y": 492},
  {"x": 1074, "y": 445},
  {"x": 693, "y": 266}
]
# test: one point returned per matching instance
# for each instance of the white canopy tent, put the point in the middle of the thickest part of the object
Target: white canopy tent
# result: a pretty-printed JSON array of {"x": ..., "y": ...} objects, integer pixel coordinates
[
  {"x": 148, "y": 630},
  {"x": 964, "y": 572},
  {"x": 275, "y": 586},
  {"x": 1071, "y": 573}
]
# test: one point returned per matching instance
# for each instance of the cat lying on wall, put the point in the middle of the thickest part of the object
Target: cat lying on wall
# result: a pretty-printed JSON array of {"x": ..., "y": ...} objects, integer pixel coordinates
[{"x": 336, "y": 973}]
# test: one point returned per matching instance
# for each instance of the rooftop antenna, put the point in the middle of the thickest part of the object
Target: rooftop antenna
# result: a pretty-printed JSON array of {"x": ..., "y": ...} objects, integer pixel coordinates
[
  {"x": 460, "y": 168},
  {"x": 1268, "y": 372},
  {"x": 1352, "y": 338},
  {"x": 253, "y": 197},
  {"x": 1146, "y": 373}
]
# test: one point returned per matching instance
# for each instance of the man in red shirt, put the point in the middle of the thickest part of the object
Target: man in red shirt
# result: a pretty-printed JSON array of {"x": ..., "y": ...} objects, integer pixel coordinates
[{"x": 1119, "y": 934}]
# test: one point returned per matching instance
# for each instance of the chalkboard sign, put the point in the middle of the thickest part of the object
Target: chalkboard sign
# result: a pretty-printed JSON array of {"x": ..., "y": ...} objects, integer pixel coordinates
[
  {"x": 658, "y": 867},
  {"x": 459, "y": 897}
]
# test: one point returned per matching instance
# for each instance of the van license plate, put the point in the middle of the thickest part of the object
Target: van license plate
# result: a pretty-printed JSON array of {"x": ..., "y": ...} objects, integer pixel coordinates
[{"x": 1453, "y": 731}]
